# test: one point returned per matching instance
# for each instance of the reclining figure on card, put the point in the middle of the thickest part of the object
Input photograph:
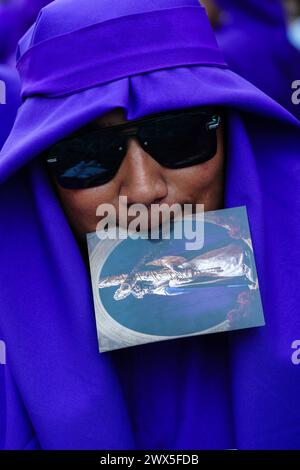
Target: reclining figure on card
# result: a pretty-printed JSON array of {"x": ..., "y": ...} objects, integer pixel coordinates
[{"x": 173, "y": 275}]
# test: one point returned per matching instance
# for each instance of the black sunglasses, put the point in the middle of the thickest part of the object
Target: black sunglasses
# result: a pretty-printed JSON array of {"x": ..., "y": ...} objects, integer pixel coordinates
[{"x": 175, "y": 140}]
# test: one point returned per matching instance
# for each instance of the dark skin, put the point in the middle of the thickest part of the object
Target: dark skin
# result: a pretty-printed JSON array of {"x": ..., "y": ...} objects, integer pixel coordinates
[{"x": 143, "y": 180}]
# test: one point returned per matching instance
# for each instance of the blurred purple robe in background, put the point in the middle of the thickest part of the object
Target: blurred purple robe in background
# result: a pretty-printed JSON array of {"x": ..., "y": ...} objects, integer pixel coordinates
[
  {"x": 253, "y": 36},
  {"x": 16, "y": 16}
]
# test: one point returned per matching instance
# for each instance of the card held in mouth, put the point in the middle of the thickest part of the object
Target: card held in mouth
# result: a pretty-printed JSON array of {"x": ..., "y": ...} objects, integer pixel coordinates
[{"x": 148, "y": 290}]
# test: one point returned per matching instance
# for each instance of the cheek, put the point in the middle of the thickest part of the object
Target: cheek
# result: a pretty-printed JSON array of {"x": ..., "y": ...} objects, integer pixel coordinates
[
  {"x": 198, "y": 183},
  {"x": 81, "y": 205}
]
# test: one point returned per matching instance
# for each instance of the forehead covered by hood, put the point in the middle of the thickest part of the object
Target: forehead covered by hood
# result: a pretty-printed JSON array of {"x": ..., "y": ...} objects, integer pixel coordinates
[
  {"x": 107, "y": 44},
  {"x": 15, "y": 18}
]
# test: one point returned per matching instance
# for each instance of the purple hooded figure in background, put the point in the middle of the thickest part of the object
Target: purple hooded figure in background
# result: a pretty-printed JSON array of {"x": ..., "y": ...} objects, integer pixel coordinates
[
  {"x": 16, "y": 16},
  {"x": 253, "y": 36},
  {"x": 227, "y": 391}
]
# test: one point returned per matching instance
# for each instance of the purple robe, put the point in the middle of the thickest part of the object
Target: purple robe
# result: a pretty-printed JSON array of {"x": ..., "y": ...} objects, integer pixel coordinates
[
  {"x": 253, "y": 36},
  {"x": 232, "y": 390}
]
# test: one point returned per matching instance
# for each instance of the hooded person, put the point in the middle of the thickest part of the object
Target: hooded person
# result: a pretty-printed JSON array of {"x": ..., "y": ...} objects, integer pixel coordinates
[
  {"x": 237, "y": 390},
  {"x": 254, "y": 38}
]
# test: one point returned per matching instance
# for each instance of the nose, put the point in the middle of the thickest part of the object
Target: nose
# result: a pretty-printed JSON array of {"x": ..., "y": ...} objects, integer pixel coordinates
[{"x": 140, "y": 177}]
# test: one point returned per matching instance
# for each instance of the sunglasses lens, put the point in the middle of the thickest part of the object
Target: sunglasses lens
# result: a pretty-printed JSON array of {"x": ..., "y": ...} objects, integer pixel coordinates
[
  {"x": 180, "y": 142},
  {"x": 86, "y": 161},
  {"x": 174, "y": 141}
]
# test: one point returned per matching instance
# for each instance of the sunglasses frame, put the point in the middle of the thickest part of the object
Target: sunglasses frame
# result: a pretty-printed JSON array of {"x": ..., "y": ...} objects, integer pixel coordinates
[{"x": 131, "y": 129}]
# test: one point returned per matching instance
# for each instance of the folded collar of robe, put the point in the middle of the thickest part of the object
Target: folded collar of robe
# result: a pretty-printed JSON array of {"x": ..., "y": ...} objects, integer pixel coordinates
[{"x": 92, "y": 55}]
